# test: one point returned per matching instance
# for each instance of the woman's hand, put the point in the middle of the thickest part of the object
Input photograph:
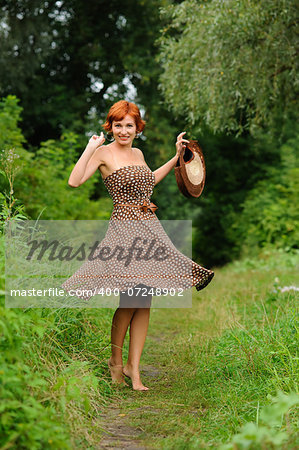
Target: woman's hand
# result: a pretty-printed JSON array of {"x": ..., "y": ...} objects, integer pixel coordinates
[
  {"x": 180, "y": 143},
  {"x": 88, "y": 162},
  {"x": 96, "y": 141},
  {"x": 166, "y": 168}
]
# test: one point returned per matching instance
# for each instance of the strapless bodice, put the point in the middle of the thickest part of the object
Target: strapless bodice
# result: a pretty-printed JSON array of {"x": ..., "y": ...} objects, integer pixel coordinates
[{"x": 130, "y": 184}]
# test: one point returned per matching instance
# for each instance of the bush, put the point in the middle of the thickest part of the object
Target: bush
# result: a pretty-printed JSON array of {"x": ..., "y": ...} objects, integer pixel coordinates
[
  {"x": 36, "y": 187},
  {"x": 270, "y": 433},
  {"x": 25, "y": 421},
  {"x": 270, "y": 216}
]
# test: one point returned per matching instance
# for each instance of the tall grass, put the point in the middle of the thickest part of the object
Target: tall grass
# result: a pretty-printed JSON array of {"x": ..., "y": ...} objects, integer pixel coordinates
[
  {"x": 221, "y": 365},
  {"x": 53, "y": 381},
  {"x": 225, "y": 361}
]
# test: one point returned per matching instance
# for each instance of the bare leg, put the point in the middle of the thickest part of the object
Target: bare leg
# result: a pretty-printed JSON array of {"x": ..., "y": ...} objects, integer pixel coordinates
[
  {"x": 138, "y": 331},
  {"x": 120, "y": 323}
]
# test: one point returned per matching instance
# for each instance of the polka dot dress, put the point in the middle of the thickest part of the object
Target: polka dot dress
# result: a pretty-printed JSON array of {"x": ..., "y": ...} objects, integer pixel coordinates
[{"x": 154, "y": 260}]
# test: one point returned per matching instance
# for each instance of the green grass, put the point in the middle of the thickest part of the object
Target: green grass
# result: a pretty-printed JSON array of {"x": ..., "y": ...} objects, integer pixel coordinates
[
  {"x": 218, "y": 365},
  {"x": 53, "y": 381},
  {"x": 221, "y": 361}
]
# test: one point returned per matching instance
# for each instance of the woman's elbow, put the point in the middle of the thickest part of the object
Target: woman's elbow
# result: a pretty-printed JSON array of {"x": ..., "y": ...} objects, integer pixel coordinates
[{"x": 73, "y": 184}]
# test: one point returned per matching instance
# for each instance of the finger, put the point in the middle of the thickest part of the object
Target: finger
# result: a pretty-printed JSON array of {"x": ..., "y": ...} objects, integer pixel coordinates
[{"x": 181, "y": 134}]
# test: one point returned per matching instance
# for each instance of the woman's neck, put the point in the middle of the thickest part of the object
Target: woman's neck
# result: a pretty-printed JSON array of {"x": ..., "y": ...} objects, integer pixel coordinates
[{"x": 123, "y": 148}]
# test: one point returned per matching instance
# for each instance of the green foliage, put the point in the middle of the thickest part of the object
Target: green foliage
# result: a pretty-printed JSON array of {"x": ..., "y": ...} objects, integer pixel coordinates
[
  {"x": 262, "y": 352},
  {"x": 43, "y": 186},
  {"x": 11, "y": 209},
  {"x": 35, "y": 185},
  {"x": 52, "y": 368},
  {"x": 73, "y": 60},
  {"x": 270, "y": 214},
  {"x": 158, "y": 148},
  {"x": 249, "y": 201},
  {"x": 222, "y": 362},
  {"x": 9, "y": 212},
  {"x": 268, "y": 356},
  {"x": 230, "y": 65},
  {"x": 25, "y": 41},
  {"x": 25, "y": 421},
  {"x": 255, "y": 357},
  {"x": 51, "y": 377},
  {"x": 48, "y": 399},
  {"x": 233, "y": 165},
  {"x": 10, "y": 114},
  {"x": 11, "y": 139},
  {"x": 254, "y": 436}
]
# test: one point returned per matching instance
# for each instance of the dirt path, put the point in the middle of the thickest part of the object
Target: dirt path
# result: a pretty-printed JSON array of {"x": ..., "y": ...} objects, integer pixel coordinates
[
  {"x": 119, "y": 434},
  {"x": 159, "y": 371}
]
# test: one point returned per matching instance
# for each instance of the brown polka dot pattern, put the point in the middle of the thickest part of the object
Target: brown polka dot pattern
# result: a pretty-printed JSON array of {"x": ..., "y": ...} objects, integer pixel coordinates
[{"x": 134, "y": 184}]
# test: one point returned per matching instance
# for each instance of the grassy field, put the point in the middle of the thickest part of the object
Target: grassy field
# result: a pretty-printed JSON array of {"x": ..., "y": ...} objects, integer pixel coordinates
[
  {"x": 221, "y": 361},
  {"x": 212, "y": 369}
]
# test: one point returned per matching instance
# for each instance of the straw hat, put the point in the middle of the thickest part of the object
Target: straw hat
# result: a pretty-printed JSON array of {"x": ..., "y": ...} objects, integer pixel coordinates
[{"x": 190, "y": 170}]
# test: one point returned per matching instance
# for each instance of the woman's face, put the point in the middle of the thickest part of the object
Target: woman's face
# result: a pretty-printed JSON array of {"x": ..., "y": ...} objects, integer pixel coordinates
[{"x": 124, "y": 131}]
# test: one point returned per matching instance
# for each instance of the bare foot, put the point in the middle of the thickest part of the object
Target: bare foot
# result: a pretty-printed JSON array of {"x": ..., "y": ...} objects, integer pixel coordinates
[
  {"x": 135, "y": 377},
  {"x": 116, "y": 371}
]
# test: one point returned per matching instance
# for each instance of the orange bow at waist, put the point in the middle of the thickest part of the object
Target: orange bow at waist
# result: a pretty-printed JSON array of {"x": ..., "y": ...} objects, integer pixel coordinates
[{"x": 144, "y": 207}]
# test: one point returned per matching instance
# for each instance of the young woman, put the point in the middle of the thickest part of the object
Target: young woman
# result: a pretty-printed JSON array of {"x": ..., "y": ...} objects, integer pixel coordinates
[{"x": 130, "y": 183}]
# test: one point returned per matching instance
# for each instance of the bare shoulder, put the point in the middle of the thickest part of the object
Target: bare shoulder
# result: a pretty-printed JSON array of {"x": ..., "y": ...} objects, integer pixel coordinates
[
  {"x": 102, "y": 154},
  {"x": 139, "y": 153}
]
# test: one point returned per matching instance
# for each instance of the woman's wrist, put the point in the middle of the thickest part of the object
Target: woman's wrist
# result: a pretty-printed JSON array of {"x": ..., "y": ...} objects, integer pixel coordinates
[{"x": 90, "y": 149}]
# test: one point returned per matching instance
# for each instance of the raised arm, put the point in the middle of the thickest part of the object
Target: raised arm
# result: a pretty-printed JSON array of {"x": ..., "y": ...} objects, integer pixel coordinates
[
  {"x": 166, "y": 168},
  {"x": 88, "y": 162}
]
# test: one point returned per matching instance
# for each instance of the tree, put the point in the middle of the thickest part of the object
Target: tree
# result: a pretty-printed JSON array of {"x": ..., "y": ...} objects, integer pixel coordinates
[
  {"x": 60, "y": 58},
  {"x": 230, "y": 64},
  {"x": 67, "y": 59}
]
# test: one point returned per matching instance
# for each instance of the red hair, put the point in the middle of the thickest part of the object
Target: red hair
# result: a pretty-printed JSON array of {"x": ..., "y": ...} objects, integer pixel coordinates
[{"x": 119, "y": 110}]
